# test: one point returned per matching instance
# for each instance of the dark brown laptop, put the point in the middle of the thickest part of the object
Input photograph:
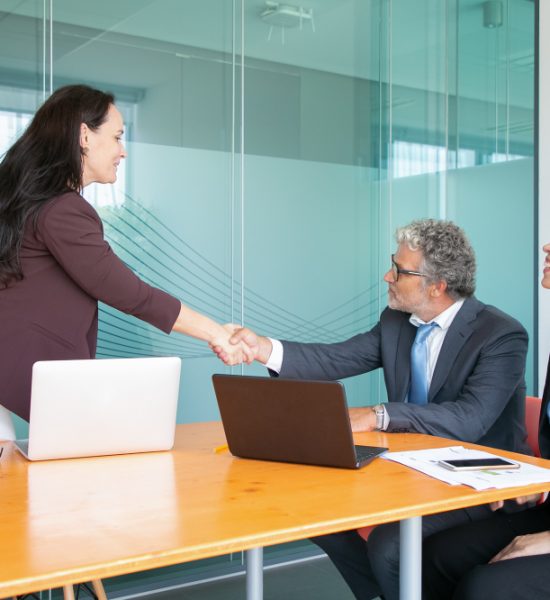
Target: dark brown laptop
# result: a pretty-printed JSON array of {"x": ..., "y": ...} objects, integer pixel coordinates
[{"x": 289, "y": 420}]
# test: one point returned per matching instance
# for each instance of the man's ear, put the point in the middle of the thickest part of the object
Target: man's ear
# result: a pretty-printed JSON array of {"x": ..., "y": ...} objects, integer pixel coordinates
[
  {"x": 438, "y": 289},
  {"x": 84, "y": 136}
]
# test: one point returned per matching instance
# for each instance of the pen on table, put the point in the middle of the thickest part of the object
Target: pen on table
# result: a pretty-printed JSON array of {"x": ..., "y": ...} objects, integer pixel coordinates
[
  {"x": 220, "y": 448},
  {"x": 1, "y": 450}
]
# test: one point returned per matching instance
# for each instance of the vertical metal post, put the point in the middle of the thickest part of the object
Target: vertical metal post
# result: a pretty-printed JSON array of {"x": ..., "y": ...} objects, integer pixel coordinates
[
  {"x": 51, "y": 47},
  {"x": 254, "y": 574},
  {"x": 410, "y": 559},
  {"x": 242, "y": 321}
]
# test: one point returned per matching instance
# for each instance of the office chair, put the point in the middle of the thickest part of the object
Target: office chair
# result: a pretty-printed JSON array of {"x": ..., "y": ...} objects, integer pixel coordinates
[{"x": 532, "y": 415}]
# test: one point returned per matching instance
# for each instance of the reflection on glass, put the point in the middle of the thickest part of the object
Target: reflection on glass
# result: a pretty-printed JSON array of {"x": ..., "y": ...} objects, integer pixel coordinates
[{"x": 135, "y": 489}]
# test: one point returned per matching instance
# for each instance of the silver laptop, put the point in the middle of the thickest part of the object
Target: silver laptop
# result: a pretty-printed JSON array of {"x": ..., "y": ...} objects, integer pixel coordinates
[
  {"x": 104, "y": 406},
  {"x": 289, "y": 420}
]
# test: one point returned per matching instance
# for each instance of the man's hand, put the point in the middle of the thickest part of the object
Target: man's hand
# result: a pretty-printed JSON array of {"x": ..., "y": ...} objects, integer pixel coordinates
[
  {"x": 233, "y": 353},
  {"x": 521, "y": 500},
  {"x": 257, "y": 347},
  {"x": 362, "y": 419},
  {"x": 525, "y": 545}
]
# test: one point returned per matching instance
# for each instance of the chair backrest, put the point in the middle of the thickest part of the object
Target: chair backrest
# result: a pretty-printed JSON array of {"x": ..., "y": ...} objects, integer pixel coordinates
[{"x": 532, "y": 414}]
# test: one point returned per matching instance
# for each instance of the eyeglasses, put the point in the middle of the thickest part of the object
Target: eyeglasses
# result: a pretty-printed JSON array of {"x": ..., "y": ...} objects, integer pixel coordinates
[{"x": 396, "y": 271}]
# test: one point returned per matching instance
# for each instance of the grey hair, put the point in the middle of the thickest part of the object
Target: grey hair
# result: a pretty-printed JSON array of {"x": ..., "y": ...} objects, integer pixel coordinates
[{"x": 447, "y": 254}]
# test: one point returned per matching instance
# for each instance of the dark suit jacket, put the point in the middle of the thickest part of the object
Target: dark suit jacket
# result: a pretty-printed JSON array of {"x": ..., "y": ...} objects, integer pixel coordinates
[
  {"x": 51, "y": 313},
  {"x": 544, "y": 424},
  {"x": 477, "y": 393}
]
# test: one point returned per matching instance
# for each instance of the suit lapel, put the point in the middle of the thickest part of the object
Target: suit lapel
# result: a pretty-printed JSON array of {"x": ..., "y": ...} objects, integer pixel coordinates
[
  {"x": 458, "y": 334},
  {"x": 407, "y": 334}
]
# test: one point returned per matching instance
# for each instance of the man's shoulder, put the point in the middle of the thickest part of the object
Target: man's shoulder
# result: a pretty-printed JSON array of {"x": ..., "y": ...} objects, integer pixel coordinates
[
  {"x": 474, "y": 313},
  {"x": 487, "y": 316}
]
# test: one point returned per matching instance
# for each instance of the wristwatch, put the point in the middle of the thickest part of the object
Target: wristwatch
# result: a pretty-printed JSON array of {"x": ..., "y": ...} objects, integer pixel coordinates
[{"x": 380, "y": 413}]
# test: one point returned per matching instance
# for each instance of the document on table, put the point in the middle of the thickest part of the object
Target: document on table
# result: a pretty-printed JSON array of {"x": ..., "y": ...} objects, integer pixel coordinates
[{"x": 427, "y": 461}]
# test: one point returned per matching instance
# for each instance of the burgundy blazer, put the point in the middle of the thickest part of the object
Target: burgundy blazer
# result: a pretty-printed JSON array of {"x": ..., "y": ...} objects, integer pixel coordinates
[{"x": 51, "y": 313}]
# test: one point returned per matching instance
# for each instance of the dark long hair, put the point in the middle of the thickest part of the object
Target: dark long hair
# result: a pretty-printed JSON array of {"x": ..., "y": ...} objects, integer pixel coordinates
[{"x": 44, "y": 162}]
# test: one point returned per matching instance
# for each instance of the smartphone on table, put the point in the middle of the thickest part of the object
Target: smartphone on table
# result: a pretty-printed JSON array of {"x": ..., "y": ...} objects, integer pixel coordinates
[{"x": 476, "y": 464}]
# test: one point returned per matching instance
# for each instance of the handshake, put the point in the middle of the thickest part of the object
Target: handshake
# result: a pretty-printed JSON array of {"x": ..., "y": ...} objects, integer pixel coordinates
[{"x": 235, "y": 345}]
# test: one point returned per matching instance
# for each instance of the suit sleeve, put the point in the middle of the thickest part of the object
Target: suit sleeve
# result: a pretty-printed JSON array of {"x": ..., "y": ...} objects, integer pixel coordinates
[
  {"x": 357, "y": 355},
  {"x": 497, "y": 374},
  {"x": 73, "y": 233}
]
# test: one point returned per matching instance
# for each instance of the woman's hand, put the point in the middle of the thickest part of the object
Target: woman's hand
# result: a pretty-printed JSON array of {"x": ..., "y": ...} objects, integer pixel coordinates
[
  {"x": 231, "y": 353},
  {"x": 190, "y": 322},
  {"x": 257, "y": 347},
  {"x": 525, "y": 545},
  {"x": 521, "y": 500}
]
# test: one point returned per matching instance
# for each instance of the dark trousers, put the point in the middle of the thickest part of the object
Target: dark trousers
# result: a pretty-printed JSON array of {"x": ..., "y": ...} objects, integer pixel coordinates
[
  {"x": 372, "y": 568},
  {"x": 455, "y": 561}
]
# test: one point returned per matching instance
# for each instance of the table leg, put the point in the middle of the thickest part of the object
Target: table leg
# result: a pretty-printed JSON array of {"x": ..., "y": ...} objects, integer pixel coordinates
[
  {"x": 254, "y": 574},
  {"x": 99, "y": 590},
  {"x": 68, "y": 592},
  {"x": 410, "y": 559}
]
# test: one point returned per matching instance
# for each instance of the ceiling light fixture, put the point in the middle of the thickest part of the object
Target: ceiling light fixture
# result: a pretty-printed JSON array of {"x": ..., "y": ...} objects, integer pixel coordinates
[{"x": 286, "y": 15}]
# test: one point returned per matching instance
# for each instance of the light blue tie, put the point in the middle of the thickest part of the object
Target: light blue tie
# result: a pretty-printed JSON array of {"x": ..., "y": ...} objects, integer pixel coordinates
[{"x": 418, "y": 392}]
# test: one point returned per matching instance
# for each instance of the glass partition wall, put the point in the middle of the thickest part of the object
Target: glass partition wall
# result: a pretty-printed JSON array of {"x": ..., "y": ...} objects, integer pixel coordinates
[{"x": 274, "y": 148}]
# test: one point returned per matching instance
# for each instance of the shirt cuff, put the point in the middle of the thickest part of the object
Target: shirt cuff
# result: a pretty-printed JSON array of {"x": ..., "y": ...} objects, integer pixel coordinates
[{"x": 275, "y": 361}]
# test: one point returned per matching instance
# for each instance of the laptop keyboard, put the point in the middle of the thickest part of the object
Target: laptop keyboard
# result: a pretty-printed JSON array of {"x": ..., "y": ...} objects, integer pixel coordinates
[{"x": 367, "y": 452}]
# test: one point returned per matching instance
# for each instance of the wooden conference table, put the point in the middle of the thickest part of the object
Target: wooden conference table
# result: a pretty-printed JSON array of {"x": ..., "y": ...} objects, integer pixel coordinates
[{"x": 71, "y": 521}]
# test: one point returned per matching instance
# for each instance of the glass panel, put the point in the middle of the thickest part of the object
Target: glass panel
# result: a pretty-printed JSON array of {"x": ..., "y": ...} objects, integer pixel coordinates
[
  {"x": 312, "y": 140},
  {"x": 495, "y": 122},
  {"x": 169, "y": 215},
  {"x": 495, "y": 80},
  {"x": 23, "y": 54},
  {"x": 22, "y": 66},
  {"x": 419, "y": 87}
]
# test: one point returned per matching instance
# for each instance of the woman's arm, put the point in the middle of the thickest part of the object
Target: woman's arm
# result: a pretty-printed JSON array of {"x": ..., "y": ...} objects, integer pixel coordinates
[{"x": 190, "y": 322}]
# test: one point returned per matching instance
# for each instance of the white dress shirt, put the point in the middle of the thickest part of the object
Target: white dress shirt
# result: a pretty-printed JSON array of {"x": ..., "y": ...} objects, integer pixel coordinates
[{"x": 436, "y": 337}]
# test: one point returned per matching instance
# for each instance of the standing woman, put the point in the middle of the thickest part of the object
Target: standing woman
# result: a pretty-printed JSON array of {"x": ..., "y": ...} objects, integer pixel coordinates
[{"x": 54, "y": 262}]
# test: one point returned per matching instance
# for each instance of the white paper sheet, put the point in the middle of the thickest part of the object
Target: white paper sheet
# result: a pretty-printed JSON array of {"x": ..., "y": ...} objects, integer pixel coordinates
[{"x": 427, "y": 461}]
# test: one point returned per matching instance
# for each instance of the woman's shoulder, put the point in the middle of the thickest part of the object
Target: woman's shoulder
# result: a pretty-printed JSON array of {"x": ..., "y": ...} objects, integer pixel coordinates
[{"x": 69, "y": 204}]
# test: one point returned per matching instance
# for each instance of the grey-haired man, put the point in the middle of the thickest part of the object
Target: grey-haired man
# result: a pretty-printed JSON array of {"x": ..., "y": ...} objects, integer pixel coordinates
[{"x": 462, "y": 378}]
